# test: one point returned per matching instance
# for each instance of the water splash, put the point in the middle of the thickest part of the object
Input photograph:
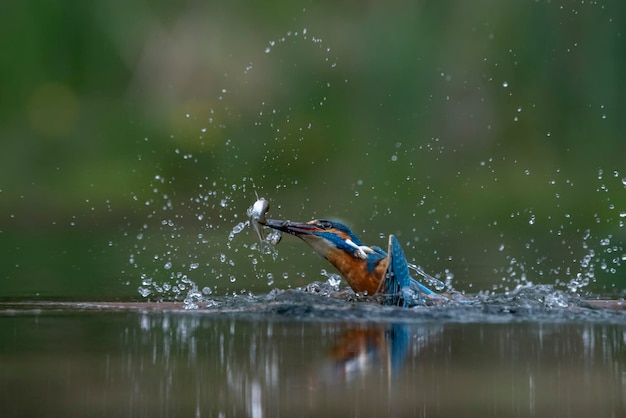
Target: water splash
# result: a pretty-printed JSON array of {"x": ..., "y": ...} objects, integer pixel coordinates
[{"x": 436, "y": 284}]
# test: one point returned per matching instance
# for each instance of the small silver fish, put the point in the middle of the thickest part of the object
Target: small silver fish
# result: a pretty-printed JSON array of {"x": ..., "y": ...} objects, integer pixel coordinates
[{"x": 256, "y": 213}]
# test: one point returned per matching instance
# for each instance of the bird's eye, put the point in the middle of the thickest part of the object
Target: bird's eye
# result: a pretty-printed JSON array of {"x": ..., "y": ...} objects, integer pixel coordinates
[{"x": 326, "y": 225}]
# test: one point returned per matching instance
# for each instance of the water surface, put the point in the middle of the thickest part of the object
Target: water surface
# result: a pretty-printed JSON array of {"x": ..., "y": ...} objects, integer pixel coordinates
[{"x": 299, "y": 354}]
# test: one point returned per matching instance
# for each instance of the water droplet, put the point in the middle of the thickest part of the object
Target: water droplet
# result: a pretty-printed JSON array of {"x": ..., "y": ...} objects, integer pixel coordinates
[
  {"x": 505, "y": 84},
  {"x": 274, "y": 236},
  {"x": 167, "y": 265},
  {"x": 144, "y": 291},
  {"x": 334, "y": 280},
  {"x": 239, "y": 227}
]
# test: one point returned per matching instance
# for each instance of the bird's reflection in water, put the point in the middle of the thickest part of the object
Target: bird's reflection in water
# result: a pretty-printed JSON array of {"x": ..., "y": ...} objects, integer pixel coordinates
[{"x": 378, "y": 350}]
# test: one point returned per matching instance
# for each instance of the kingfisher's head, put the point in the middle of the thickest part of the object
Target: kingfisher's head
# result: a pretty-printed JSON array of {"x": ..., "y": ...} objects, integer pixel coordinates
[{"x": 322, "y": 235}]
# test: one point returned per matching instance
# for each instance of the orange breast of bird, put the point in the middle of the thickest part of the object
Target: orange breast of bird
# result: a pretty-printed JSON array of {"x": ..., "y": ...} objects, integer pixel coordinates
[
  {"x": 355, "y": 342},
  {"x": 360, "y": 276}
]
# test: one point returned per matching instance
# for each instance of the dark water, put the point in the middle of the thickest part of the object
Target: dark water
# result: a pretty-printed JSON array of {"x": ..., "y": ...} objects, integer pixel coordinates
[{"x": 299, "y": 354}]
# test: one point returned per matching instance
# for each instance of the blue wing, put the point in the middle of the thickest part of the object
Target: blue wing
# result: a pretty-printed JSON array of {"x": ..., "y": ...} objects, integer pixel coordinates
[{"x": 400, "y": 288}]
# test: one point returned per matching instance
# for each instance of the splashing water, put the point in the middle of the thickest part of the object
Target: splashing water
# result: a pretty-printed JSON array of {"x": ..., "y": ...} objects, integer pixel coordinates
[{"x": 433, "y": 282}]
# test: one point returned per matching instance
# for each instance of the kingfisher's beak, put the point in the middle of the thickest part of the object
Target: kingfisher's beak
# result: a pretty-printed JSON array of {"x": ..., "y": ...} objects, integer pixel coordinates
[{"x": 294, "y": 228}]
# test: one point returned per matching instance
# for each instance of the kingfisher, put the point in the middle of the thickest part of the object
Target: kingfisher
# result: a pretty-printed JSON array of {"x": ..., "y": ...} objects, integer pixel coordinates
[{"x": 368, "y": 270}]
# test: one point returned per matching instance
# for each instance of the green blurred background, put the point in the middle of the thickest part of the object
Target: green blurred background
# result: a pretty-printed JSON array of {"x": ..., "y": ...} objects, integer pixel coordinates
[{"x": 488, "y": 135}]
